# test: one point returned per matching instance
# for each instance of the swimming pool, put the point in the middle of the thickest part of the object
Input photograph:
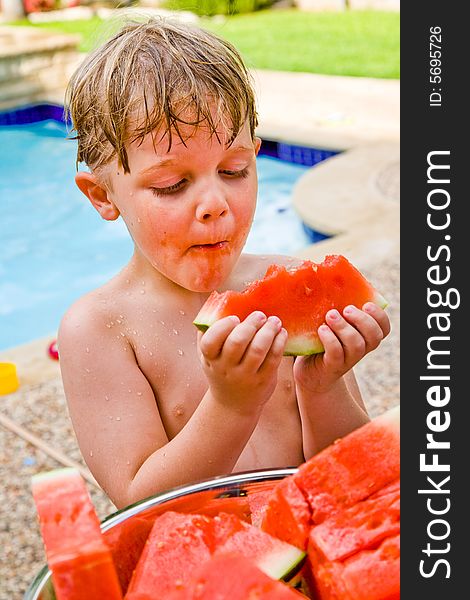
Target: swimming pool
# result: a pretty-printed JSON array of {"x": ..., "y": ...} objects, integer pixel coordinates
[{"x": 54, "y": 246}]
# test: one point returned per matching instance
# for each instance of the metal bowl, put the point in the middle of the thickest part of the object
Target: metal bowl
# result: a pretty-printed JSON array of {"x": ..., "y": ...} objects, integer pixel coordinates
[{"x": 207, "y": 497}]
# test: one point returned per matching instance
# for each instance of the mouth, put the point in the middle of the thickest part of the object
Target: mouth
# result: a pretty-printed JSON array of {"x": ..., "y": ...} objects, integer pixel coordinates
[{"x": 214, "y": 246}]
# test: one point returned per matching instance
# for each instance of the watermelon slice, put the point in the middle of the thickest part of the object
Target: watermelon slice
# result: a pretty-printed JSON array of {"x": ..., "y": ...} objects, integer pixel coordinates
[
  {"x": 233, "y": 578},
  {"x": 353, "y": 468},
  {"x": 274, "y": 557},
  {"x": 179, "y": 543},
  {"x": 365, "y": 463},
  {"x": 367, "y": 575},
  {"x": 80, "y": 560},
  {"x": 288, "y": 514},
  {"x": 126, "y": 541},
  {"x": 359, "y": 527},
  {"x": 300, "y": 297}
]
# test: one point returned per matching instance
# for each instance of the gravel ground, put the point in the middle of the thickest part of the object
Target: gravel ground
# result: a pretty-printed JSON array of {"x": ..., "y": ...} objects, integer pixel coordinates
[{"x": 42, "y": 410}]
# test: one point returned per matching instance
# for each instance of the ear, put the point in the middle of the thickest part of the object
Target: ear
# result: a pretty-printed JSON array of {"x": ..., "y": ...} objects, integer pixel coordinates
[
  {"x": 97, "y": 194},
  {"x": 257, "y": 145}
]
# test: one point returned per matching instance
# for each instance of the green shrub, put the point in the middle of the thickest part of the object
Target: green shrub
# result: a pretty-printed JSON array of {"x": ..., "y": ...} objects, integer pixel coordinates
[{"x": 217, "y": 7}]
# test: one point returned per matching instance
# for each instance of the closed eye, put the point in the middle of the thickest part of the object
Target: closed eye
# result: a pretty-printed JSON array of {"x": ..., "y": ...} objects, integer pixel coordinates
[
  {"x": 234, "y": 174},
  {"x": 171, "y": 189}
]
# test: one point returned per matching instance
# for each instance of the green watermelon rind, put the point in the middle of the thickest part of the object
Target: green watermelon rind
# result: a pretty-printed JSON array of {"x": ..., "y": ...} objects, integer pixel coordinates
[
  {"x": 53, "y": 475},
  {"x": 304, "y": 345},
  {"x": 281, "y": 563}
]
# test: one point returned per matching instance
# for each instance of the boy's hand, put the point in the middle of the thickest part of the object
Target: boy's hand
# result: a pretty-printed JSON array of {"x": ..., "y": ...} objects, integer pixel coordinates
[
  {"x": 241, "y": 359},
  {"x": 346, "y": 338}
]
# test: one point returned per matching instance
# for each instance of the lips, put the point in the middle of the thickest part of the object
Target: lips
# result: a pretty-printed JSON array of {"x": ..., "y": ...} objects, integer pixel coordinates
[{"x": 211, "y": 245}]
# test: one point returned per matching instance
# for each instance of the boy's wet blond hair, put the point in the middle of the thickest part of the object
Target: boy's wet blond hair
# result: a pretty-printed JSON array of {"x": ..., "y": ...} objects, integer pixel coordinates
[{"x": 152, "y": 75}]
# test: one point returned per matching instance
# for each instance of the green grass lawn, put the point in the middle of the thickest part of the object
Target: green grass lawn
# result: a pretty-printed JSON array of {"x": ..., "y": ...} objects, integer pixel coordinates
[{"x": 356, "y": 43}]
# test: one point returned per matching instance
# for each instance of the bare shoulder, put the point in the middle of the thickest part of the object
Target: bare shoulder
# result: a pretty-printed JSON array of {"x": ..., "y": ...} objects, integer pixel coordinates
[{"x": 89, "y": 320}]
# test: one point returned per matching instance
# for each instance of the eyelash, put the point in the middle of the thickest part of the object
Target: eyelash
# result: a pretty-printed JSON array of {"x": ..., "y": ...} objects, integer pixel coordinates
[{"x": 171, "y": 189}]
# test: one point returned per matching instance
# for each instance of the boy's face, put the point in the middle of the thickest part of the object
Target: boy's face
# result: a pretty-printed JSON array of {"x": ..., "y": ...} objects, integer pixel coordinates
[{"x": 189, "y": 210}]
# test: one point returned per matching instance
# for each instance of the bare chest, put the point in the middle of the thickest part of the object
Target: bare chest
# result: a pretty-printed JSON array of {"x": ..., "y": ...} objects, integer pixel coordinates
[{"x": 167, "y": 355}]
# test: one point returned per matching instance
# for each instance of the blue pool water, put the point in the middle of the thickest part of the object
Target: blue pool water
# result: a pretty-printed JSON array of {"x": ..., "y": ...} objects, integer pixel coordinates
[{"x": 55, "y": 247}]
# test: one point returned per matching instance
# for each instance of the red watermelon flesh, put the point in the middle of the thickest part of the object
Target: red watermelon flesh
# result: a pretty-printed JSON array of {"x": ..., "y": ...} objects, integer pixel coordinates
[
  {"x": 359, "y": 527},
  {"x": 258, "y": 503},
  {"x": 126, "y": 541},
  {"x": 299, "y": 296},
  {"x": 177, "y": 544},
  {"x": 288, "y": 514},
  {"x": 353, "y": 468},
  {"x": 271, "y": 555},
  {"x": 80, "y": 560},
  {"x": 233, "y": 578},
  {"x": 374, "y": 574}
]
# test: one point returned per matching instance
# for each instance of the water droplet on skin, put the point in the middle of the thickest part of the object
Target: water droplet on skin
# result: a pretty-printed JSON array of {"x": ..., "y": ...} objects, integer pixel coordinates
[
  {"x": 142, "y": 291},
  {"x": 154, "y": 310},
  {"x": 182, "y": 313},
  {"x": 187, "y": 385},
  {"x": 130, "y": 391},
  {"x": 128, "y": 280},
  {"x": 175, "y": 331},
  {"x": 139, "y": 394},
  {"x": 106, "y": 397},
  {"x": 128, "y": 462},
  {"x": 91, "y": 452},
  {"x": 180, "y": 352},
  {"x": 111, "y": 418},
  {"x": 118, "y": 418},
  {"x": 108, "y": 325},
  {"x": 162, "y": 322},
  {"x": 151, "y": 353},
  {"x": 118, "y": 321},
  {"x": 87, "y": 370},
  {"x": 123, "y": 334},
  {"x": 134, "y": 332},
  {"x": 143, "y": 282},
  {"x": 139, "y": 220}
]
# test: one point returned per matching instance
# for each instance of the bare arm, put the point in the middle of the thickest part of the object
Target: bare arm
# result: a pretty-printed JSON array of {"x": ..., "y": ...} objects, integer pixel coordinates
[
  {"x": 330, "y": 403},
  {"x": 327, "y": 416},
  {"x": 118, "y": 426}
]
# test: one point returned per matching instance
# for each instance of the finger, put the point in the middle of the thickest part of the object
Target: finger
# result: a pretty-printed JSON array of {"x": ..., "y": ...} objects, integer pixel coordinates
[
  {"x": 211, "y": 341},
  {"x": 352, "y": 341},
  {"x": 379, "y": 315},
  {"x": 275, "y": 353},
  {"x": 261, "y": 343},
  {"x": 239, "y": 339},
  {"x": 334, "y": 351},
  {"x": 366, "y": 325}
]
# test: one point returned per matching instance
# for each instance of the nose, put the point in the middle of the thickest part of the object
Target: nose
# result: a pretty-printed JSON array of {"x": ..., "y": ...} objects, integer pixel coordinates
[{"x": 211, "y": 205}]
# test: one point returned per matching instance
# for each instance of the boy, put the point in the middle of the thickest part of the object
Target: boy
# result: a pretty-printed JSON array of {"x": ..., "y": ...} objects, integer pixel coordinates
[{"x": 165, "y": 119}]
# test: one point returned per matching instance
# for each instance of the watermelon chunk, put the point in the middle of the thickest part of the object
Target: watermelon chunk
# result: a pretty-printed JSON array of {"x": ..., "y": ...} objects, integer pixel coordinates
[
  {"x": 271, "y": 555},
  {"x": 299, "y": 296},
  {"x": 126, "y": 541},
  {"x": 353, "y": 468},
  {"x": 233, "y": 578},
  {"x": 179, "y": 543},
  {"x": 359, "y": 527},
  {"x": 80, "y": 560},
  {"x": 288, "y": 514},
  {"x": 372, "y": 574}
]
